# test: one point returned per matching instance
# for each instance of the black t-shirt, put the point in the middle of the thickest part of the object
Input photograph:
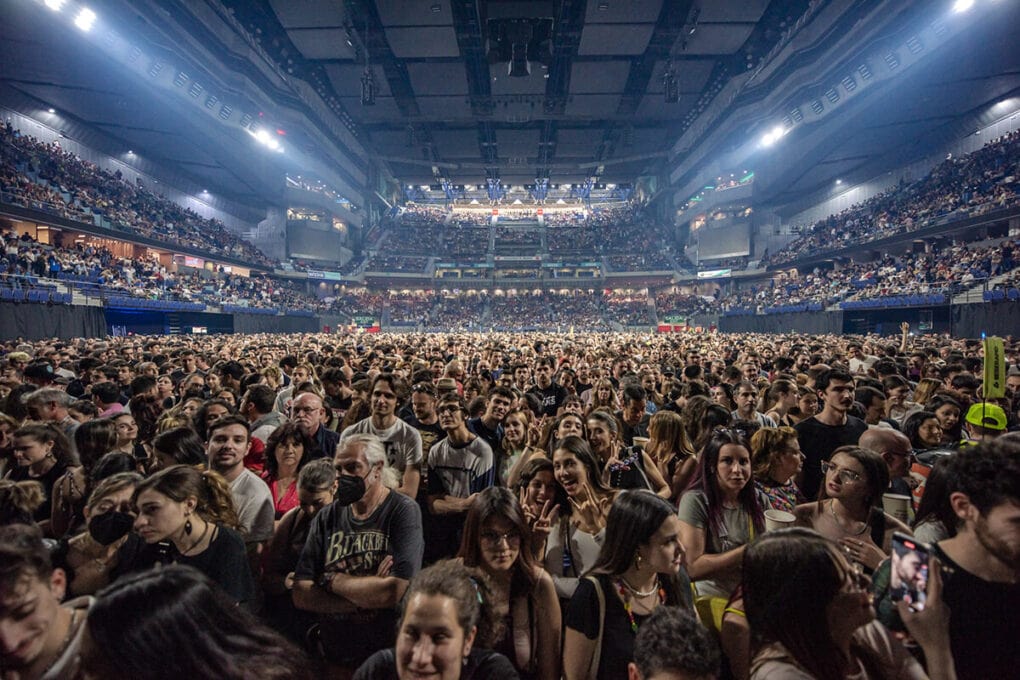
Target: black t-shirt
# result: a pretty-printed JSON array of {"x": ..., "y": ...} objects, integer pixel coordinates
[
  {"x": 340, "y": 542},
  {"x": 628, "y": 432},
  {"x": 551, "y": 397},
  {"x": 983, "y": 623},
  {"x": 482, "y": 664},
  {"x": 225, "y": 561},
  {"x": 818, "y": 441},
  {"x": 582, "y": 615}
]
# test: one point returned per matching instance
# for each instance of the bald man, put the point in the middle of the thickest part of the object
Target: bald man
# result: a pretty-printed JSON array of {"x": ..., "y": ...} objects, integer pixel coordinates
[{"x": 895, "y": 448}]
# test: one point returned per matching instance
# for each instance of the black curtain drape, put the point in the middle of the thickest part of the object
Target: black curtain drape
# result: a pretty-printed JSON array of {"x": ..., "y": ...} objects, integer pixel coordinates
[{"x": 41, "y": 321}]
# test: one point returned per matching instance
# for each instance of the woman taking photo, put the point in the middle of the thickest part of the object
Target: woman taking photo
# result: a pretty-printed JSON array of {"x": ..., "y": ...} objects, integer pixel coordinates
[
  {"x": 810, "y": 614},
  {"x": 187, "y": 516},
  {"x": 775, "y": 461},
  {"x": 523, "y": 593},
  {"x": 583, "y": 500},
  {"x": 671, "y": 451},
  {"x": 924, "y": 430},
  {"x": 446, "y": 630},
  {"x": 849, "y": 509},
  {"x": 639, "y": 569},
  {"x": 288, "y": 449},
  {"x": 156, "y": 625},
  {"x": 41, "y": 454},
  {"x": 720, "y": 514},
  {"x": 623, "y": 467}
]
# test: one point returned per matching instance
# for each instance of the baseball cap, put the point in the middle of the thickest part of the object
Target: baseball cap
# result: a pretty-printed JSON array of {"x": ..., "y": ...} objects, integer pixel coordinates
[{"x": 990, "y": 416}]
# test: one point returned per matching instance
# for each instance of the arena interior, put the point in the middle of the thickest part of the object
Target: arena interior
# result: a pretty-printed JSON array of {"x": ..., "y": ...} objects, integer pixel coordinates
[{"x": 451, "y": 228}]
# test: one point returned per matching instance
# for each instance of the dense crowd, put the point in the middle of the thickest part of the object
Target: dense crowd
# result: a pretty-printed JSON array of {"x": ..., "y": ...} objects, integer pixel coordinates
[
  {"x": 508, "y": 505},
  {"x": 46, "y": 177},
  {"x": 975, "y": 183},
  {"x": 947, "y": 270},
  {"x": 97, "y": 272}
]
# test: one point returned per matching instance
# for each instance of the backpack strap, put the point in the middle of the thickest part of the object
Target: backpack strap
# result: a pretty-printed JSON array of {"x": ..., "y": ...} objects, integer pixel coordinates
[{"x": 593, "y": 668}]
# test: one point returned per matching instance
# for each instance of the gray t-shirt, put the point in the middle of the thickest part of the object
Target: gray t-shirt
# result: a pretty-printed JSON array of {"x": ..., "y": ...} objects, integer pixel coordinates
[
  {"x": 736, "y": 530},
  {"x": 254, "y": 503},
  {"x": 460, "y": 471},
  {"x": 402, "y": 442}
]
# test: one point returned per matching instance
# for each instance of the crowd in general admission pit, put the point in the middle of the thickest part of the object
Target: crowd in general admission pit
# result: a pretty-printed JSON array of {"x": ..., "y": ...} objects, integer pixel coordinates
[
  {"x": 40, "y": 175},
  {"x": 977, "y": 182},
  {"x": 294, "y": 487}
]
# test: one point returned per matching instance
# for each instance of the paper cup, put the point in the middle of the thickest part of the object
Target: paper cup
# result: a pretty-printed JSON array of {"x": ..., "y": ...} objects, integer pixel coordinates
[
  {"x": 778, "y": 519},
  {"x": 641, "y": 441},
  {"x": 896, "y": 505}
]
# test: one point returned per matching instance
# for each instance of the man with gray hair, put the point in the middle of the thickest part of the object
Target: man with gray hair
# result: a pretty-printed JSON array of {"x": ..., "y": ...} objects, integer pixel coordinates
[
  {"x": 359, "y": 558},
  {"x": 50, "y": 405}
]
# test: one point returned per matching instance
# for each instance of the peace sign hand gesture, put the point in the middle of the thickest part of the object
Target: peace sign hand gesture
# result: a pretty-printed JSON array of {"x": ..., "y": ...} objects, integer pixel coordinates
[{"x": 591, "y": 510}]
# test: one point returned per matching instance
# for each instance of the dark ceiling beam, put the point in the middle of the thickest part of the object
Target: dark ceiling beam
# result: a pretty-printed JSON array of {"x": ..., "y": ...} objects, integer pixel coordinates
[
  {"x": 467, "y": 24},
  {"x": 565, "y": 43},
  {"x": 668, "y": 26},
  {"x": 366, "y": 22}
]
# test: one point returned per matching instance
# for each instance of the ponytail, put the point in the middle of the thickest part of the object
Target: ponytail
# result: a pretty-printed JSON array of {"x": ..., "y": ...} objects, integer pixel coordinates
[{"x": 210, "y": 489}]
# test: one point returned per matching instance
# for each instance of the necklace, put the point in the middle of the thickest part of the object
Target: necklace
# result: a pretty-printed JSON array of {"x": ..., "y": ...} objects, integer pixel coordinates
[
  {"x": 627, "y": 607},
  {"x": 63, "y": 644},
  {"x": 638, "y": 593},
  {"x": 197, "y": 543},
  {"x": 839, "y": 523}
]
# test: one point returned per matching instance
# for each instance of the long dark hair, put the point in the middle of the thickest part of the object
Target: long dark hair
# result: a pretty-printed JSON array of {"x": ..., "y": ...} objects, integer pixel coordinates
[
  {"x": 42, "y": 432},
  {"x": 912, "y": 427},
  {"x": 499, "y": 502},
  {"x": 154, "y": 615},
  {"x": 789, "y": 578},
  {"x": 182, "y": 444},
  {"x": 934, "y": 503},
  {"x": 288, "y": 431},
  {"x": 579, "y": 448},
  {"x": 633, "y": 519},
  {"x": 706, "y": 480}
]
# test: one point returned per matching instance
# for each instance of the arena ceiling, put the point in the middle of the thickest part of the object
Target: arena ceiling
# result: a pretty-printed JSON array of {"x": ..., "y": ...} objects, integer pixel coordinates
[{"x": 595, "y": 103}]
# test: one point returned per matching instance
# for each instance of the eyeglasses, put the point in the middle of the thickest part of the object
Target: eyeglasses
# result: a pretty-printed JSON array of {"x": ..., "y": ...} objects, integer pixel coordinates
[
  {"x": 449, "y": 408},
  {"x": 845, "y": 476},
  {"x": 493, "y": 538}
]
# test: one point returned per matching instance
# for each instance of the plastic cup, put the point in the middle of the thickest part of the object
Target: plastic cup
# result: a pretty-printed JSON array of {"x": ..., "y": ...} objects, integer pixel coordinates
[
  {"x": 641, "y": 442},
  {"x": 778, "y": 519},
  {"x": 897, "y": 505}
]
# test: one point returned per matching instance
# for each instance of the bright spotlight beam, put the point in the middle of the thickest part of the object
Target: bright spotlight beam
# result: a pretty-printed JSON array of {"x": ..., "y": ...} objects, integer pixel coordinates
[
  {"x": 962, "y": 5},
  {"x": 85, "y": 19},
  {"x": 55, "y": 5}
]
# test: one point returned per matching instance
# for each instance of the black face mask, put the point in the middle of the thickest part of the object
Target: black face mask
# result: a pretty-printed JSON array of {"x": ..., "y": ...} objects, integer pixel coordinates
[
  {"x": 350, "y": 489},
  {"x": 110, "y": 526}
]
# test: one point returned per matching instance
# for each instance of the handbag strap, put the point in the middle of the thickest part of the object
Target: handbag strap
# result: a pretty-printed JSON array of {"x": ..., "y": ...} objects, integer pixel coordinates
[{"x": 593, "y": 667}]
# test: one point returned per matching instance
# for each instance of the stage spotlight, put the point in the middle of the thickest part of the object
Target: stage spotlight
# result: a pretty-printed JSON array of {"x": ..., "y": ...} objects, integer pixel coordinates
[
  {"x": 85, "y": 19},
  {"x": 962, "y": 5},
  {"x": 55, "y": 5}
]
